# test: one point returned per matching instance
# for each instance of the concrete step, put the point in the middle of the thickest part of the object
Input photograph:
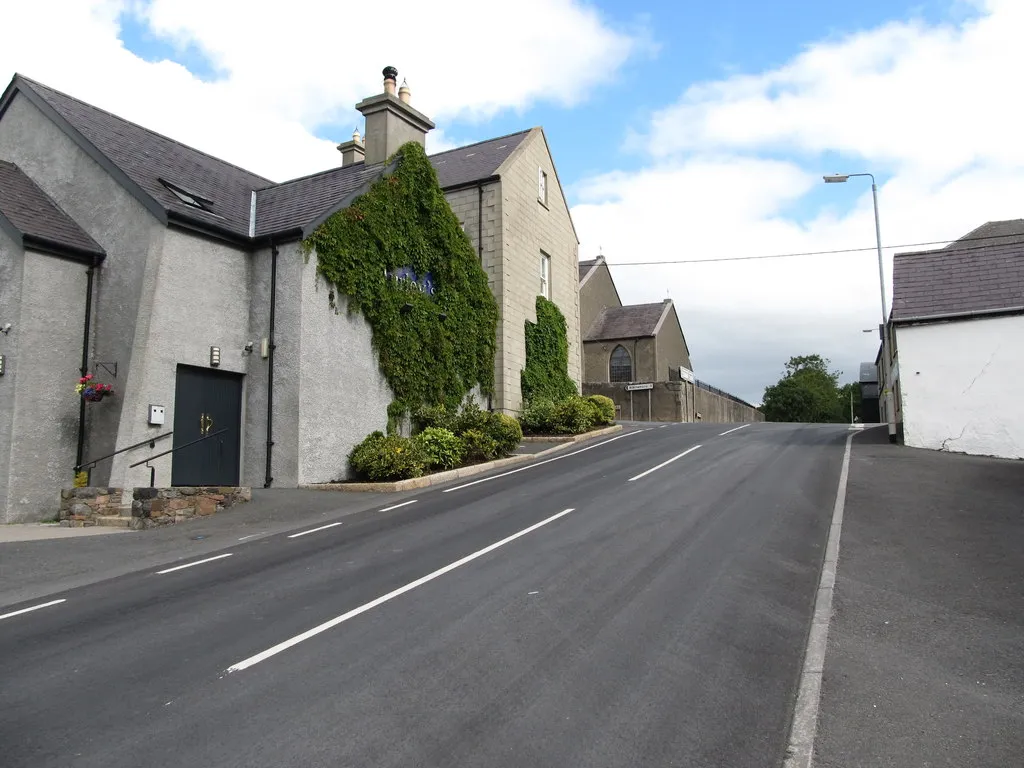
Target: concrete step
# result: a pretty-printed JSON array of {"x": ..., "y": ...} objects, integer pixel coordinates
[{"x": 113, "y": 521}]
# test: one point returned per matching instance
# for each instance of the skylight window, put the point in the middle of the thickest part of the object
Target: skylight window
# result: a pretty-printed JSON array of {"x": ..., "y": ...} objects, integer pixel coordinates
[{"x": 190, "y": 199}]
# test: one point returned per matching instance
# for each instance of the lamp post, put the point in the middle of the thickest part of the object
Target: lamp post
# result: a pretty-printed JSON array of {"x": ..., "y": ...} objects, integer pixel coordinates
[{"x": 840, "y": 178}]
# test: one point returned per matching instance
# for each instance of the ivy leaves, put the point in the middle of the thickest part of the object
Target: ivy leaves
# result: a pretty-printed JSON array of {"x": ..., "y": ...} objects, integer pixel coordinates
[
  {"x": 546, "y": 374},
  {"x": 432, "y": 349}
]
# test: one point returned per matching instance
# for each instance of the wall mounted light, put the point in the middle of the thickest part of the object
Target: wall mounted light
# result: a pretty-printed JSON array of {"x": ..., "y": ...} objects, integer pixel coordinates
[
  {"x": 5, "y": 328},
  {"x": 214, "y": 356},
  {"x": 2, "y": 361}
]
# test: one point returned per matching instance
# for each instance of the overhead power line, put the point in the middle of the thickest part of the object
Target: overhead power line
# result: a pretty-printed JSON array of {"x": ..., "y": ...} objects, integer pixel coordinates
[{"x": 814, "y": 253}]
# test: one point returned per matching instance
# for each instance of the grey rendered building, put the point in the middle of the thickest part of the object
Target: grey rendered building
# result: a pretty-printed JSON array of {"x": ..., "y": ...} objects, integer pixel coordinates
[{"x": 178, "y": 278}]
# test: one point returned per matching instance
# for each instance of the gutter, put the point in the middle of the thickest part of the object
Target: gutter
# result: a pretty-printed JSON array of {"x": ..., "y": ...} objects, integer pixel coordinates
[
  {"x": 269, "y": 479},
  {"x": 958, "y": 315},
  {"x": 480, "y": 220}
]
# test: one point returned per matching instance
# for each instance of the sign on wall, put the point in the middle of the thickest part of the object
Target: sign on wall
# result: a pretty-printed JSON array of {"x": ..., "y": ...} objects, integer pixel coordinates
[
  {"x": 637, "y": 387},
  {"x": 408, "y": 277}
]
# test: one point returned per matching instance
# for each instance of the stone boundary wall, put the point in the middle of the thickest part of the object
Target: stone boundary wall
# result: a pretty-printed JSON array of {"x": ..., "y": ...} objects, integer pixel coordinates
[
  {"x": 674, "y": 401},
  {"x": 146, "y": 507}
]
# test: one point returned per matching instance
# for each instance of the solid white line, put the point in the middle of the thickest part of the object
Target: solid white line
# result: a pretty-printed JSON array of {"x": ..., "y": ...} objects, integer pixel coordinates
[
  {"x": 396, "y": 506},
  {"x": 314, "y": 530},
  {"x": 389, "y": 596},
  {"x": 33, "y": 608},
  {"x": 546, "y": 461},
  {"x": 721, "y": 434},
  {"x": 664, "y": 463},
  {"x": 197, "y": 562},
  {"x": 800, "y": 753}
]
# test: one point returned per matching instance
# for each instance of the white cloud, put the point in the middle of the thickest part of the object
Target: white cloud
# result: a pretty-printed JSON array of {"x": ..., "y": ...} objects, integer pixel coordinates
[
  {"x": 734, "y": 169},
  {"x": 288, "y": 68}
]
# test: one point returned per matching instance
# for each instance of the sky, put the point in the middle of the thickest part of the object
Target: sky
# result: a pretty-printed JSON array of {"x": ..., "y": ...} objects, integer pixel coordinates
[{"x": 682, "y": 131}]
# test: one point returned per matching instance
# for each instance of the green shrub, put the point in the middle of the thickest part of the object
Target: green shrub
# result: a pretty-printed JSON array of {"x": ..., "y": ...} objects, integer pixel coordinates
[
  {"x": 471, "y": 417},
  {"x": 604, "y": 409},
  {"x": 574, "y": 415},
  {"x": 546, "y": 373},
  {"x": 427, "y": 416},
  {"x": 440, "y": 448},
  {"x": 540, "y": 417},
  {"x": 479, "y": 445},
  {"x": 381, "y": 458},
  {"x": 506, "y": 433}
]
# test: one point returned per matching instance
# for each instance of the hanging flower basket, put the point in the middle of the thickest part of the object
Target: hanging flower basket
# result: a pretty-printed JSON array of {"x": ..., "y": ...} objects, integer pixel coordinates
[{"x": 92, "y": 391}]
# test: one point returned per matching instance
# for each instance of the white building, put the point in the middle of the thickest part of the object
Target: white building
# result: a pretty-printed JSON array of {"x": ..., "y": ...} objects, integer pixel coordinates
[{"x": 957, "y": 332}]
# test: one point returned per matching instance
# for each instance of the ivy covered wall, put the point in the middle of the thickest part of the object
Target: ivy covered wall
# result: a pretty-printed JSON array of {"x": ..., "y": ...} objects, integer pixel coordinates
[
  {"x": 434, "y": 347},
  {"x": 546, "y": 374}
]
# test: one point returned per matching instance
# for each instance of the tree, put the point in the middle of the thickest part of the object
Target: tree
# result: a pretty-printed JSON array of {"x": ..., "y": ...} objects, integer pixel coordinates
[{"x": 808, "y": 392}]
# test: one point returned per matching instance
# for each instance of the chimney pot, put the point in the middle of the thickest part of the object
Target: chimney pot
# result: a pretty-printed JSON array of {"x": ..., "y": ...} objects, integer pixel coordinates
[
  {"x": 404, "y": 93},
  {"x": 390, "y": 74}
]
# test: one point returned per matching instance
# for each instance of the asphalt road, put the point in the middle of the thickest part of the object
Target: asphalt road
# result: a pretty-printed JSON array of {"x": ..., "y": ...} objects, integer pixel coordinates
[{"x": 662, "y": 621}]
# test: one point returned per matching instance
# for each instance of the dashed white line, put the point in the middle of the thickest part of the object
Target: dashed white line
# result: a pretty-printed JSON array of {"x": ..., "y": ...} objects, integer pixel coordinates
[
  {"x": 314, "y": 530},
  {"x": 263, "y": 656},
  {"x": 722, "y": 434},
  {"x": 546, "y": 461},
  {"x": 396, "y": 506},
  {"x": 197, "y": 562},
  {"x": 33, "y": 608},
  {"x": 663, "y": 464},
  {"x": 663, "y": 426}
]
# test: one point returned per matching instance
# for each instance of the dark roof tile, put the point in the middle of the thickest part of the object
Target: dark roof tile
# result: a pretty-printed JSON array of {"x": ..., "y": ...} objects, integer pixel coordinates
[
  {"x": 991, "y": 233},
  {"x": 633, "y": 321},
  {"x": 37, "y": 217},
  {"x": 475, "y": 161},
  {"x": 961, "y": 281}
]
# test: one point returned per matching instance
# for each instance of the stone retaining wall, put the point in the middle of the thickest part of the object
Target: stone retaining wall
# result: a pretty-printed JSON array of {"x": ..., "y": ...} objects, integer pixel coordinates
[{"x": 146, "y": 507}]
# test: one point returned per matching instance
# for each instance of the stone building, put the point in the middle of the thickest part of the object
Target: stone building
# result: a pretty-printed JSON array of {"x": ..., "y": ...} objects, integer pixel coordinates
[
  {"x": 632, "y": 342},
  {"x": 178, "y": 278}
]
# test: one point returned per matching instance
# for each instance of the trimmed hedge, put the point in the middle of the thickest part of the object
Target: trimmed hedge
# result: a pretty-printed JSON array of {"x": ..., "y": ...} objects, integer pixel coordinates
[{"x": 571, "y": 416}]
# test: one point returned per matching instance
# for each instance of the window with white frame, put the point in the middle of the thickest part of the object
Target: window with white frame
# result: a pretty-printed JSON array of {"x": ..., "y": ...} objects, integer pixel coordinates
[
  {"x": 545, "y": 275},
  {"x": 542, "y": 186}
]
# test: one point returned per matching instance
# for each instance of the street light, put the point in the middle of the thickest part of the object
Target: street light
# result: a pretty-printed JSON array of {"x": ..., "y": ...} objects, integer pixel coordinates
[{"x": 840, "y": 178}]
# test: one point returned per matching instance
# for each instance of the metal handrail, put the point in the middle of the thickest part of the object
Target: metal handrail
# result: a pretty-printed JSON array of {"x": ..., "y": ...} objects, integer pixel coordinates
[
  {"x": 178, "y": 448},
  {"x": 151, "y": 441}
]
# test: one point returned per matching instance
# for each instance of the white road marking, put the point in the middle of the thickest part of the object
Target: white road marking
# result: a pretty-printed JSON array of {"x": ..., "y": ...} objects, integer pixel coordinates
[
  {"x": 546, "y": 461},
  {"x": 243, "y": 538},
  {"x": 663, "y": 464},
  {"x": 663, "y": 426},
  {"x": 396, "y": 506},
  {"x": 33, "y": 608},
  {"x": 314, "y": 530},
  {"x": 197, "y": 562},
  {"x": 800, "y": 753},
  {"x": 263, "y": 656},
  {"x": 721, "y": 434}
]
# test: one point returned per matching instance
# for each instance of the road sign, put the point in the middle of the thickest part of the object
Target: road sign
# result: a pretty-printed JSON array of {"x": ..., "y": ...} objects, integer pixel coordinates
[{"x": 636, "y": 387}]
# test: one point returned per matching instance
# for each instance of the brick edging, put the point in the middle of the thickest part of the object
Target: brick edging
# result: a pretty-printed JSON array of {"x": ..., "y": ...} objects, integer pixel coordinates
[{"x": 437, "y": 478}]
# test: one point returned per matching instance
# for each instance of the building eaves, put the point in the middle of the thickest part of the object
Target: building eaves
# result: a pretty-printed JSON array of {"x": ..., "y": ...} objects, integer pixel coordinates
[{"x": 33, "y": 219}]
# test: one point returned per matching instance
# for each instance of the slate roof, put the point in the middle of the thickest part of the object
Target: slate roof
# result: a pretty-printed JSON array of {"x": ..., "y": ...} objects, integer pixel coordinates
[
  {"x": 148, "y": 160},
  {"x": 991, "y": 233},
  {"x": 586, "y": 266},
  {"x": 146, "y": 157},
  {"x": 958, "y": 282},
  {"x": 633, "y": 321},
  {"x": 868, "y": 373},
  {"x": 37, "y": 220},
  {"x": 475, "y": 161}
]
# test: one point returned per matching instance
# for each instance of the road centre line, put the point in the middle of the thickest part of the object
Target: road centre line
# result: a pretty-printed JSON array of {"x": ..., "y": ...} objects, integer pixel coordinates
[
  {"x": 546, "y": 461},
  {"x": 263, "y": 656},
  {"x": 722, "y": 434},
  {"x": 663, "y": 464},
  {"x": 314, "y": 530},
  {"x": 33, "y": 608},
  {"x": 396, "y": 506},
  {"x": 197, "y": 562}
]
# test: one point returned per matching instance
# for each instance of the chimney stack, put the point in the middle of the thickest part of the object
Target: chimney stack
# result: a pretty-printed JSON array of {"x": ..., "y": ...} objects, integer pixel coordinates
[
  {"x": 352, "y": 151},
  {"x": 391, "y": 121}
]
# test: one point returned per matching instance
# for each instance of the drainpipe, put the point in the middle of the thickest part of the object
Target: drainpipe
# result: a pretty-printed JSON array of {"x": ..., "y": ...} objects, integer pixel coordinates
[
  {"x": 480, "y": 221},
  {"x": 270, "y": 365},
  {"x": 80, "y": 454}
]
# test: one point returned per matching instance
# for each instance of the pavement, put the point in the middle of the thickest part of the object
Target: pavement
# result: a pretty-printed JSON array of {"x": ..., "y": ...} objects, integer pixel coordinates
[
  {"x": 638, "y": 600},
  {"x": 925, "y": 658}
]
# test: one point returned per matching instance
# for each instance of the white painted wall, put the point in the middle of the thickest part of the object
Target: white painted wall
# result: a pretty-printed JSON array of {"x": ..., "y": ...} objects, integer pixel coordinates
[{"x": 962, "y": 386}]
